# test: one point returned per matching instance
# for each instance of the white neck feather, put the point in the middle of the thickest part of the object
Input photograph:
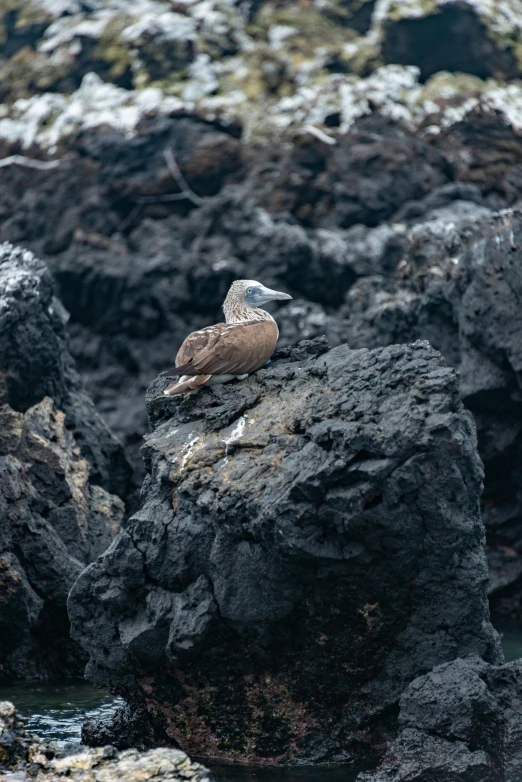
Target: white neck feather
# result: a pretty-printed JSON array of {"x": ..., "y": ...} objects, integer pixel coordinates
[{"x": 241, "y": 312}]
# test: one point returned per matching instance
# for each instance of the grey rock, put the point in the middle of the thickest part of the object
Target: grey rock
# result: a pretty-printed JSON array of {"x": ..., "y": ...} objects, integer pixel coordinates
[
  {"x": 127, "y": 728},
  {"x": 58, "y": 465},
  {"x": 20, "y": 606},
  {"x": 459, "y": 286},
  {"x": 417, "y": 757},
  {"x": 462, "y": 721},
  {"x": 320, "y": 514},
  {"x": 454, "y": 702}
]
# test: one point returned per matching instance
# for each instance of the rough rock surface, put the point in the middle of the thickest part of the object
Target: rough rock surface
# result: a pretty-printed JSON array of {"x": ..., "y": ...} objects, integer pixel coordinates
[
  {"x": 27, "y": 757},
  {"x": 309, "y": 542},
  {"x": 308, "y": 218},
  {"x": 466, "y": 300},
  {"x": 61, "y": 472},
  {"x": 127, "y": 728},
  {"x": 462, "y": 721}
]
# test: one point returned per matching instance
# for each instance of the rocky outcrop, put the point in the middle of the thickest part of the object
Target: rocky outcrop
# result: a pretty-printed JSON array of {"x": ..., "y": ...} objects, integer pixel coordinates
[
  {"x": 465, "y": 299},
  {"x": 27, "y": 757},
  {"x": 355, "y": 139},
  {"x": 309, "y": 542},
  {"x": 308, "y": 219},
  {"x": 63, "y": 476},
  {"x": 289, "y": 222}
]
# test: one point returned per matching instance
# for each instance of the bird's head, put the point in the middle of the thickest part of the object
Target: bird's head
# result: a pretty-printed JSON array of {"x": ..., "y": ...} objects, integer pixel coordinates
[
  {"x": 254, "y": 293},
  {"x": 244, "y": 294}
]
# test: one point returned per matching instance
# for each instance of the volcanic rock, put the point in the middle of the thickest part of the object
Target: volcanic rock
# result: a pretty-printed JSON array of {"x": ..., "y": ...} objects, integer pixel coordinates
[
  {"x": 61, "y": 472},
  {"x": 309, "y": 542},
  {"x": 460, "y": 287},
  {"x": 470, "y": 36},
  {"x": 27, "y": 757},
  {"x": 461, "y": 722}
]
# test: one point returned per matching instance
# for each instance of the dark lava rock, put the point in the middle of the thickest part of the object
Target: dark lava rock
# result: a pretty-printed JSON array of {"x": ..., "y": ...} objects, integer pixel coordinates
[
  {"x": 462, "y": 721},
  {"x": 450, "y": 35},
  {"x": 309, "y": 542},
  {"x": 60, "y": 473},
  {"x": 461, "y": 287},
  {"x": 418, "y": 757},
  {"x": 484, "y": 150},
  {"x": 305, "y": 217},
  {"x": 372, "y": 170},
  {"x": 109, "y": 173},
  {"x": 125, "y": 729}
]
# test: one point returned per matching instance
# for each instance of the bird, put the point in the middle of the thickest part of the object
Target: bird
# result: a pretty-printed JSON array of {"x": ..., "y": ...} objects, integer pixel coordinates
[{"x": 230, "y": 350}]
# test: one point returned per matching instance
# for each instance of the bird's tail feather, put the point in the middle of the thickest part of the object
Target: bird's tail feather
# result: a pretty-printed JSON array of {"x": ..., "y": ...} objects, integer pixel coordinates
[
  {"x": 175, "y": 371},
  {"x": 186, "y": 384}
]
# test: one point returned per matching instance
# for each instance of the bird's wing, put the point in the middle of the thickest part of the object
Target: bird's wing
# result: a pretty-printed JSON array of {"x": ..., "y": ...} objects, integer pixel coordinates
[
  {"x": 227, "y": 349},
  {"x": 192, "y": 345},
  {"x": 198, "y": 341}
]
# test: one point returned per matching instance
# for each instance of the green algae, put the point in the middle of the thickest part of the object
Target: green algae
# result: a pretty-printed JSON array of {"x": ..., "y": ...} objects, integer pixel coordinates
[{"x": 28, "y": 72}]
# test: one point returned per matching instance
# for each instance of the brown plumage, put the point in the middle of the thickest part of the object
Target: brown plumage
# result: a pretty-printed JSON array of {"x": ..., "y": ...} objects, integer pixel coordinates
[{"x": 232, "y": 349}]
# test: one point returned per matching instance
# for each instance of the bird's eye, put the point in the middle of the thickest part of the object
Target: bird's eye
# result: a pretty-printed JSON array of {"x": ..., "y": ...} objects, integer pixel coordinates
[{"x": 250, "y": 290}]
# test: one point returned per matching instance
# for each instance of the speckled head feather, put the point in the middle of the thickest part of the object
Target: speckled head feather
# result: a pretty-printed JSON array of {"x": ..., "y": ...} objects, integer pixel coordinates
[{"x": 243, "y": 301}]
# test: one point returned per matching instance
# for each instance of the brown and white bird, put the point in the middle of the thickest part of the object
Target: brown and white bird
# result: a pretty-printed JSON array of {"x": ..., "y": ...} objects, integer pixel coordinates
[{"x": 232, "y": 349}]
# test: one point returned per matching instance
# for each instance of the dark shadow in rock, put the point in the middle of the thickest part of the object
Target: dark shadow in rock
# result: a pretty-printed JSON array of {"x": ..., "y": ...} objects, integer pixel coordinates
[{"x": 451, "y": 39}]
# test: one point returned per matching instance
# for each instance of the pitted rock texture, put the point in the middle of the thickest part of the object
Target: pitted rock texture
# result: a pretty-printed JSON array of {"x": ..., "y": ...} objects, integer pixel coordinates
[
  {"x": 462, "y": 721},
  {"x": 26, "y": 757},
  {"x": 288, "y": 217},
  {"x": 309, "y": 542},
  {"x": 59, "y": 467},
  {"x": 465, "y": 299}
]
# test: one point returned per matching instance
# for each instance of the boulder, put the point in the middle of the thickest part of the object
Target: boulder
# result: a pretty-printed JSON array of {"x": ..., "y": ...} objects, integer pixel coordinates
[
  {"x": 459, "y": 285},
  {"x": 461, "y": 721},
  {"x": 416, "y": 757},
  {"x": 309, "y": 542},
  {"x": 63, "y": 475}
]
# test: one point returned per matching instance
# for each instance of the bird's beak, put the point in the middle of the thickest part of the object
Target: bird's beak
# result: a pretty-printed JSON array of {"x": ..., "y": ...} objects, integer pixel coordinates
[{"x": 269, "y": 295}]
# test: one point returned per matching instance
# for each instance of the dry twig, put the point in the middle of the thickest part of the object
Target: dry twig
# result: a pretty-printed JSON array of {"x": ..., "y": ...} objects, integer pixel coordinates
[
  {"x": 318, "y": 133},
  {"x": 175, "y": 172},
  {"x": 178, "y": 177},
  {"x": 28, "y": 162},
  {"x": 186, "y": 192}
]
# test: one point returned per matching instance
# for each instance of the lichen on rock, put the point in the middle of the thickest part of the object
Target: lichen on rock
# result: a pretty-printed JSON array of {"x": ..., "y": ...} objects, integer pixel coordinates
[{"x": 272, "y": 68}]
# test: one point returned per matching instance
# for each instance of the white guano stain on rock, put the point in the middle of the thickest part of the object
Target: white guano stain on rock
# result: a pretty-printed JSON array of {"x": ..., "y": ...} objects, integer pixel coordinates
[
  {"x": 187, "y": 451},
  {"x": 45, "y": 119},
  {"x": 218, "y": 85},
  {"x": 235, "y": 434}
]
